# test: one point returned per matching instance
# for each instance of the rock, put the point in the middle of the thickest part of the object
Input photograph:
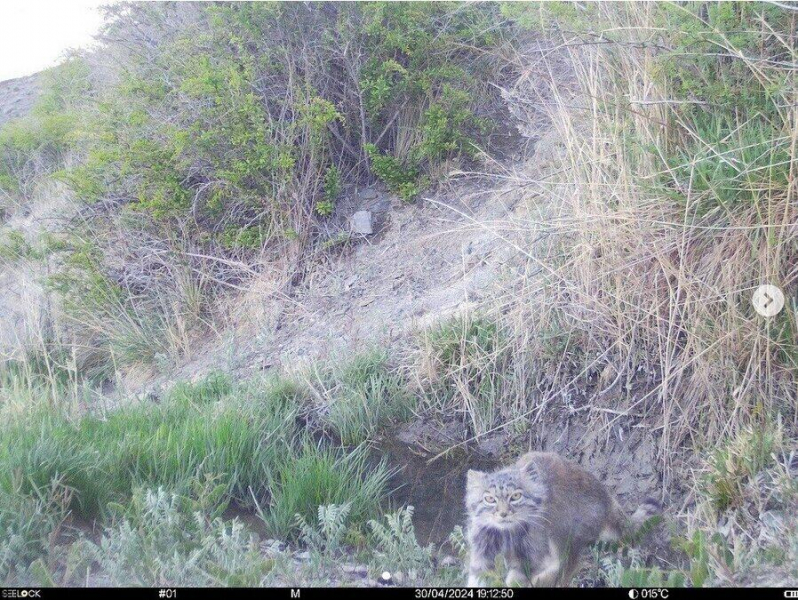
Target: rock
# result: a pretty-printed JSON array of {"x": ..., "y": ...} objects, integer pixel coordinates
[
  {"x": 368, "y": 194},
  {"x": 272, "y": 547},
  {"x": 356, "y": 570},
  {"x": 303, "y": 556},
  {"x": 361, "y": 222},
  {"x": 449, "y": 561}
]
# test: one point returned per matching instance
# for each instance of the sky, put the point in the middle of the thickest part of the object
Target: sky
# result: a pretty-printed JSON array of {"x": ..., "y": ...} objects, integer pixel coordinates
[{"x": 34, "y": 34}]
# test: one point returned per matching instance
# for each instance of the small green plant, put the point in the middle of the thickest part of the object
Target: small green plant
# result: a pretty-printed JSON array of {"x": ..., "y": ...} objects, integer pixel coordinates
[
  {"x": 333, "y": 184},
  {"x": 732, "y": 466},
  {"x": 464, "y": 340},
  {"x": 325, "y": 539},
  {"x": 325, "y": 207},
  {"x": 396, "y": 547},
  {"x": 402, "y": 179}
]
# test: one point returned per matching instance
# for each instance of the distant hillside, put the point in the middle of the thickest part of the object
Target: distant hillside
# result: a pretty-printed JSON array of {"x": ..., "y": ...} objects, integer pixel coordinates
[{"x": 17, "y": 97}]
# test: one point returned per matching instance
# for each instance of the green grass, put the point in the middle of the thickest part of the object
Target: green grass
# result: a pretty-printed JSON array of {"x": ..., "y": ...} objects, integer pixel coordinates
[
  {"x": 204, "y": 429},
  {"x": 367, "y": 396},
  {"x": 208, "y": 444},
  {"x": 470, "y": 368},
  {"x": 732, "y": 466},
  {"x": 317, "y": 476}
]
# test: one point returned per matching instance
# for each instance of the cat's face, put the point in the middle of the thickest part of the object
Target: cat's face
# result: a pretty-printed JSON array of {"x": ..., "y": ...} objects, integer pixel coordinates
[{"x": 505, "y": 499}]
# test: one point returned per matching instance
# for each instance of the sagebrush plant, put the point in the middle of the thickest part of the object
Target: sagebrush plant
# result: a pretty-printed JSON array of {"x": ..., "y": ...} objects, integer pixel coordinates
[
  {"x": 159, "y": 540},
  {"x": 325, "y": 538},
  {"x": 396, "y": 548},
  {"x": 633, "y": 573},
  {"x": 29, "y": 523}
]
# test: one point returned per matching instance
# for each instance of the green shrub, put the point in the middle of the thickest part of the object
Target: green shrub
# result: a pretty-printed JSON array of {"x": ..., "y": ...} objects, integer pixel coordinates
[{"x": 733, "y": 465}]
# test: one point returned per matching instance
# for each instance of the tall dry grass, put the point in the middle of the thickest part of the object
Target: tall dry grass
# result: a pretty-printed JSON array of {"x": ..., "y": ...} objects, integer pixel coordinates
[{"x": 649, "y": 287}]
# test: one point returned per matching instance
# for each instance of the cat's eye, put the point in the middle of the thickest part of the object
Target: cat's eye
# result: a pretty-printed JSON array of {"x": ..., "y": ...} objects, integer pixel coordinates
[
  {"x": 489, "y": 499},
  {"x": 515, "y": 497}
]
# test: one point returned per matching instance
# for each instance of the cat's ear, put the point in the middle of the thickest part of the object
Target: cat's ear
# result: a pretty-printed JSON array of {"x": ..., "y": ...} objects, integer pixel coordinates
[
  {"x": 474, "y": 479},
  {"x": 529, "y": 467}
]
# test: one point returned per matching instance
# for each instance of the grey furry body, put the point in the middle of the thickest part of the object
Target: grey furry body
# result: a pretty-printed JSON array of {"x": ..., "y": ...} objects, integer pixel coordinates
[{"x": 539, "y": 514}]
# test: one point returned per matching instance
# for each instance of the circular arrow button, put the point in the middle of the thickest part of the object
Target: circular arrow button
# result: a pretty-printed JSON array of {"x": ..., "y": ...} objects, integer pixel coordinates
[{"x": 768, "y": 300}]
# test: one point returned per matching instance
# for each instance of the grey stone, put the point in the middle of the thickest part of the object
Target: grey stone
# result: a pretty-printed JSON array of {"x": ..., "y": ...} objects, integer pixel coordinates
[
  {"x": 449, "y": 561},
  {"x": 356, "y": 570},
  {"x": 368, "y": 194},
  {"x": 361, "y": 222},
  {"x": 272, "y": 547}
]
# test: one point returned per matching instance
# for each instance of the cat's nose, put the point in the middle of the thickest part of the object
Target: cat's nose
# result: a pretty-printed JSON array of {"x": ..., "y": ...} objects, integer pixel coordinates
[{"x": 503, "y": 513}]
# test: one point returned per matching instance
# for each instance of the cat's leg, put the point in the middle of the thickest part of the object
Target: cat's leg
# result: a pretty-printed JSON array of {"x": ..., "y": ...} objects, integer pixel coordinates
[
  {"x": 478, "y": 565},
  {"x": 547, "y": 570},
  {"x": 570, "y": 569},
  {"x": 516, "y": 576}
]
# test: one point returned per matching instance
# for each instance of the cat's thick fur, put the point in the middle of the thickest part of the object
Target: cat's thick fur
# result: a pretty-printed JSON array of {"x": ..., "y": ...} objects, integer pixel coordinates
[{"x": 540, "y": 513}]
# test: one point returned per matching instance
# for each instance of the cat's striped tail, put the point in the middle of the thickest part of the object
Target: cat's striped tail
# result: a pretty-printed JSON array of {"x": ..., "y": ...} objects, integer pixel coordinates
[
  {"x": 648, "y": 509},
  {"x": 622, "y": 527}
]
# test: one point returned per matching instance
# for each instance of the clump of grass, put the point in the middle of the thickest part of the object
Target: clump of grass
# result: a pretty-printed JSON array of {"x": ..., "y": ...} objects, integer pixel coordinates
[
  {"x": 365, "y": 396},
  {"x": 468, "y": 369},
  {"x": 317, "y": 476},
  {"x": 733, "y": 465},
  {"x": 201, "y": 429}
]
